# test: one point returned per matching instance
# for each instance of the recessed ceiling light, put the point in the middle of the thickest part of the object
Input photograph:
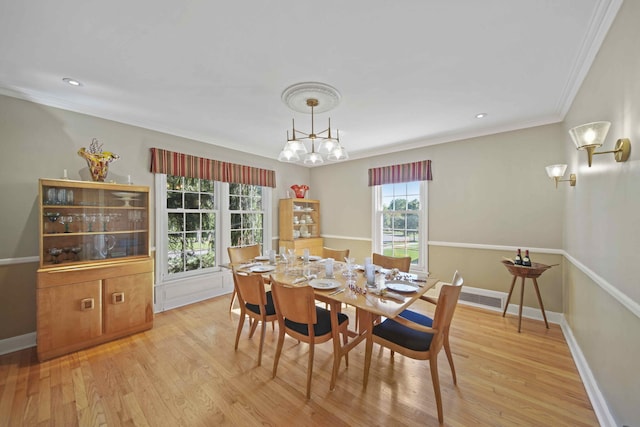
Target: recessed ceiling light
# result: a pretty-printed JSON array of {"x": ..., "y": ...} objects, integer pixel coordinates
[
  {"x": 481, "y": 115},
  {"x": 71, "y": 81}
]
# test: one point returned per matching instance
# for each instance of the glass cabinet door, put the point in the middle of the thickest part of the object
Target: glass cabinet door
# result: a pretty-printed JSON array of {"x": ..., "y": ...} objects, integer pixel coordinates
[{"x": 91, "y": 222}]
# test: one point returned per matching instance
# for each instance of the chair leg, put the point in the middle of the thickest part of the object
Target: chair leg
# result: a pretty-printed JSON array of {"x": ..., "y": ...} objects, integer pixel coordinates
[
  {"x": 278, "y": 351},
  {"x": 262, "y": 334},
  {"x": 233, "y": 299},
  {"x": 254, "y": 325},
  {"x": 447, "y": 350},
  {"x": 310, "y": 369},
  {"x": 345, "y": 339},
  {"x": 433, "y": 364},
  {"x": 240, "y": 326}
]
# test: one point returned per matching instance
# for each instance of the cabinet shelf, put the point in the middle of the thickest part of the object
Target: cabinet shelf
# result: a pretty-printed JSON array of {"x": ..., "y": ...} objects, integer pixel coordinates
[{"x": 93, "y": 233}]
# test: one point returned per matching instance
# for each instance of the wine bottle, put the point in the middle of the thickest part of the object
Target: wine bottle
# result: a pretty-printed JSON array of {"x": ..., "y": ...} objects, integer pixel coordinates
[
  {"x": 518, "y": 260},
  {"x": 526, "y": 261}
]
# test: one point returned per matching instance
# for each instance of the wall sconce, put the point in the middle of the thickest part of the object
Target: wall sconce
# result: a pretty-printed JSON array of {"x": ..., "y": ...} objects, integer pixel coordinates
[
  {"x": 591, "y": 136},
  {"x": 557, "y": 171}
]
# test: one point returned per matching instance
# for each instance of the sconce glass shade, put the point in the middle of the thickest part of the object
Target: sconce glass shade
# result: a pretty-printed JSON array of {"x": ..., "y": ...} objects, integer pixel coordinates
[
  {"x": 556, "y": 171},
  {"x": 337, "y": 154},
  {"x": 590, "y": 134},
  {"x": 288, "y": 154}
]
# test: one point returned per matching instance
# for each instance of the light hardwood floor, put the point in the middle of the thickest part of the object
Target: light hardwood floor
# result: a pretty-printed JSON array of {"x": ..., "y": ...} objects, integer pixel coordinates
[{"x": 185, "y": 372}]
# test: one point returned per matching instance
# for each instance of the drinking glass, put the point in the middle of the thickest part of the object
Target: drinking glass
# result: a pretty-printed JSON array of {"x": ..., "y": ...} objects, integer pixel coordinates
[{"x": 350, "y": 267}]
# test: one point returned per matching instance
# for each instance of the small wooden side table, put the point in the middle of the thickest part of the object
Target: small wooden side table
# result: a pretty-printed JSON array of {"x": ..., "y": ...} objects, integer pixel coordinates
[{"x": 523, "y": 272}]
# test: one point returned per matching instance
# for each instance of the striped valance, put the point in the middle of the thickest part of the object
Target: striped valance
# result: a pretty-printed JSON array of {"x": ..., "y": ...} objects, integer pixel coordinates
[
  {"x": 179, "y": 164},
  {"x": 416, "y": 171}
]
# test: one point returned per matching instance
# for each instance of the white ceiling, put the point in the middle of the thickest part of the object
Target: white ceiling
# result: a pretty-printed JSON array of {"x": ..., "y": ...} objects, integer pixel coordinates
[{"x": 410, "y": 72}]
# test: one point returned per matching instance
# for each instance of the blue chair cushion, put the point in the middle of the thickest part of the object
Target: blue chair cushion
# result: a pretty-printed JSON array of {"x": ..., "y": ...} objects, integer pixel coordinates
[
  {"x": 322, "y": 327},
  {"x": 397, "y": 333},
  {"x": 271, "y": 309}
]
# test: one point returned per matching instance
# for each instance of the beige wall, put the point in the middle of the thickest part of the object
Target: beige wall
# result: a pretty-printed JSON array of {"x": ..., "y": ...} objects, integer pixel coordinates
[
  {"x": 39, "y": 142},
  {"x": 602, "y": 222}
]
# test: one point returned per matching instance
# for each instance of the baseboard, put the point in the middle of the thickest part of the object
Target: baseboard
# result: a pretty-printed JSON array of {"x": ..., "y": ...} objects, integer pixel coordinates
[
  {"x": 9, "y": 345},
  {"x": 598, "y": 401}
]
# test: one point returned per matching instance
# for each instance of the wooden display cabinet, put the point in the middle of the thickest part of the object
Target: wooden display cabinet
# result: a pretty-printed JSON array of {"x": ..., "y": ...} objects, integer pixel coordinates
[
  {"x": 95, "y": 281},
  {"x": 299, "y": 225}
]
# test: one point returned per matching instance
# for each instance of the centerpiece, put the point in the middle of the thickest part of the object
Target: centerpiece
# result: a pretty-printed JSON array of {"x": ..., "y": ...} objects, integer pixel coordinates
[{"x": 97, "y": 160}]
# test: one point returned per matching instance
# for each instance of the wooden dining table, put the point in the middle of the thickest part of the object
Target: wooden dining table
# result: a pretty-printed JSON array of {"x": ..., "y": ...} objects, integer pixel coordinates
[{"x": 370, "y": 304}]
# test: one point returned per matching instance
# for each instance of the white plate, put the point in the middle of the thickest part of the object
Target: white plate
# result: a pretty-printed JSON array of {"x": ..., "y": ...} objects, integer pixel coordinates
[
  {"x": 400, "y": 286},
  {"x": 324, "y": 284},
  {"x": 360, "y": 267},
  {"x": 262, "y": 268},
  {"x": 262, "y": 258},
  {"x": 314, "y": 258}
]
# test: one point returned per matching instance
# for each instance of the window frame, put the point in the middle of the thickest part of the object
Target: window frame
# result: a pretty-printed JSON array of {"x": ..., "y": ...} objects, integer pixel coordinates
[
  {"x": 422, "y": 267},
  {"x": 222, "y": 230}
]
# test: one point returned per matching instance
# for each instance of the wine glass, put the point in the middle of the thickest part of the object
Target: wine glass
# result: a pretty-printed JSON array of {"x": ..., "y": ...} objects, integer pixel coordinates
[
  {"x": 66, "y": 221},
  {"x": 76, "y": 250},
  {"x": 55, "y": 253},
  {"x": 66, "y": 251},
  {"x": 350, "y": 264},
  {"x": 52, "y": 217}
]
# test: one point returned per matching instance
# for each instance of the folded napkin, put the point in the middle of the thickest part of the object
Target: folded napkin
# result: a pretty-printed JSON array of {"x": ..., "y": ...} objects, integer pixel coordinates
[
  {"x": 252, "y": 264},
  {"x": 305, "y": 278},
  {"x": 390, "y": 295}
]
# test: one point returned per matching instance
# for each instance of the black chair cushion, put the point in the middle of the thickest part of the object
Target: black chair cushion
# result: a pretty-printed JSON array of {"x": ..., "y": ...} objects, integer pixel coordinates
[
  {"x": 321, "y": 328},
  {"x": 271, "y": 309},
  {"x": 399, "y": 334}
]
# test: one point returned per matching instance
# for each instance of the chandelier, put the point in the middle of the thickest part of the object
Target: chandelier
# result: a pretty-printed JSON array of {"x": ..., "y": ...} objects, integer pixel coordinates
[{"x": 312, "y": 97}]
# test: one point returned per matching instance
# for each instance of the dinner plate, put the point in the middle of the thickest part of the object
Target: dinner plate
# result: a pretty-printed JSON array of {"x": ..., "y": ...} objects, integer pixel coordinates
[
  {"x": 400, "y": 286},
  {"x": 324, "y": 284},
  {"x": 262, "y": 258},
  {"x": 314, "y": 258},
  {"x": 262, "y": 268}
]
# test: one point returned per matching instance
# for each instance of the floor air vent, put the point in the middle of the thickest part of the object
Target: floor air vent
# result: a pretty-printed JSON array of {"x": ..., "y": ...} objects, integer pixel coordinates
[{"x": 479, "y": 299}]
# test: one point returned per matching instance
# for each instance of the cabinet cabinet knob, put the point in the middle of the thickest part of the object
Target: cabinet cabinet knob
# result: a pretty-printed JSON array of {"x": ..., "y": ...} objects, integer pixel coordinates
[
  {"x": 117, "y": 298},
  {"x": 87, "y": 304}
]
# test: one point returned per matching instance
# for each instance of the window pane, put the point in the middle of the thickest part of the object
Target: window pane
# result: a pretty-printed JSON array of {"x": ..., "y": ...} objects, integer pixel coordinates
[
  {"x": 176, "y": 222},
  {"x": 234, "y": 203},
  {"x": 207, "y": 186},
  {"x": 208, "y": 221},
  {"x": 174, "y": 182},
  {"x": 192, "y": 221},
  {"x": 174, "y": 200},
  {"x": 191, "y": 184},
  {"x": 206, "y": 201},
  {"x": 191, "y": 201}
]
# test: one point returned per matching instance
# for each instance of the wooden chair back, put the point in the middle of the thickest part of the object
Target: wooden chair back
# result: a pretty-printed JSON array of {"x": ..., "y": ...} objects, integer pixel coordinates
[
  {"x": 295, "y": 303},
  {"x": 337, "y": 254},
  {"x": 401, "y": 263},
  {"x": 250, "y": 288},
  {"x": 447, "y": 302},
  {"x": 240, "y": 254}
]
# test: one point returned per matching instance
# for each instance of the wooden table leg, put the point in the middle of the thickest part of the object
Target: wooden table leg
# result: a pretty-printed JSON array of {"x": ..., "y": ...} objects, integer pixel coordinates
[
  {"x": 521, "y": 302},
  {"x": 535, "y": 284},
  {"x": 368, "y": 347},
  {"x": 513, "y": 282},
  {"x": 337, "y": 350}
]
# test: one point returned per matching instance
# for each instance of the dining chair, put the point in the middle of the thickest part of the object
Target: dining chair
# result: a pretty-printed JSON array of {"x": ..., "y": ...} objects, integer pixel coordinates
[
  {"x": 254, "y": 303},
  {"x": 337, "y": 254},
  {"x": 419, "y": 337},
  {"x": 300, "y": 318},
  {"x": 401, "y": 263},
  {"x": 238, "y": 255}
]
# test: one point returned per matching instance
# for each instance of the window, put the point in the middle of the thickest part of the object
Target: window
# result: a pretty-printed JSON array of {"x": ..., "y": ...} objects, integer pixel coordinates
[
  {"x": 197, "y": 219},
  {"x": 191, "y": 224},
  {"x": 247, "y": 214},
  {"x": 400, "y": 222}
]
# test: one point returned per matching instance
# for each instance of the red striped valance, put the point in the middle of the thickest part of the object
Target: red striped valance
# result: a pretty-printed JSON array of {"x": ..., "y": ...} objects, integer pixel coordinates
[
  {"x": 416, "y": 171},
  {"x": 179, "y": 164}
]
